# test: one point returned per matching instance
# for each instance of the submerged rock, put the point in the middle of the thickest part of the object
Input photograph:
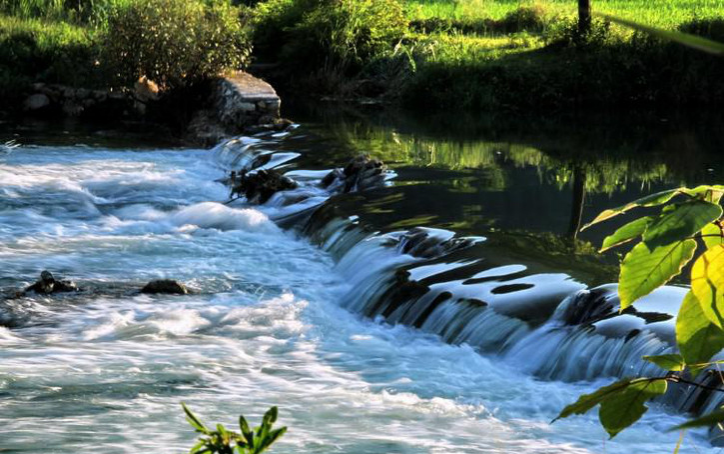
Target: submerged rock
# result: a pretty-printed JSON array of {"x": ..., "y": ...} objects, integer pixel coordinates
[
  {"x": 360, "y": 174},
  {"x": 260, "y": 186},
  {"x": 166, "y": 286},
  {"x": 47, "y": 285}
]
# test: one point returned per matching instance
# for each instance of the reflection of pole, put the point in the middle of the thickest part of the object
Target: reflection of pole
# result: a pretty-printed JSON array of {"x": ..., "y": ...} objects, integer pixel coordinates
[{"x": 579, "y": 196}]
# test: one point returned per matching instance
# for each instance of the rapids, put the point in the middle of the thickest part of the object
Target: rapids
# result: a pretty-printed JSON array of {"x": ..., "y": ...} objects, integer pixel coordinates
[{"x": 273, "y": 320}]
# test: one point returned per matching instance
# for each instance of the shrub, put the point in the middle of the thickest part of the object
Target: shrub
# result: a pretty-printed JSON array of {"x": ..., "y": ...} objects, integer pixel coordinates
[
  {"x": 333, "y": 33},
  {"x": 708, "y": 28},
  {"x": 348, "y": 32},
  {"x": 272, "y": 20},
  {"x": 174, "y": 42}
]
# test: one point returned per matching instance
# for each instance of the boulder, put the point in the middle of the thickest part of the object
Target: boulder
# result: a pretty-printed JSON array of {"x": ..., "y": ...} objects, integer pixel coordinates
[
  {"x": 37, "y": 101},
  {"x": 165, "y": 286},
  {"x": 360, "y": 174},
  {"x": 260, "y": 186},
  {"x": 47, "y": 285}
]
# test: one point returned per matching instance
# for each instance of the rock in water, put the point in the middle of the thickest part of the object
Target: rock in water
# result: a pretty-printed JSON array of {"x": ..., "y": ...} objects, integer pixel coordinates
[
  {"x": 37, "y": 101},
  {"x": 260, "y": 186},
  {"x": 47, "y": 285},
  {"x": 360, "y": 174},
  {"x": 167, "y": 286}
]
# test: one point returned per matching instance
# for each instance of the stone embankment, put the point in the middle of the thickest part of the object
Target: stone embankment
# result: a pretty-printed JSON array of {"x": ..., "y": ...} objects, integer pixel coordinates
[
  {"x": 231, "y": 105},
  {"x": 239, "y": 103}
]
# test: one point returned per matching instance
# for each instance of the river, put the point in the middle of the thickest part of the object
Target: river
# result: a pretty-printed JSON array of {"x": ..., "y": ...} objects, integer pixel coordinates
[{"x": 271, "y": 319}]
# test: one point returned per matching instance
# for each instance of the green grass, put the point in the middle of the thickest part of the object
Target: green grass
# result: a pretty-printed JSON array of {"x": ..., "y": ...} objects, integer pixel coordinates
[
  {"x": 661, "y": 13},
  {"x": 33, "y": 50}
]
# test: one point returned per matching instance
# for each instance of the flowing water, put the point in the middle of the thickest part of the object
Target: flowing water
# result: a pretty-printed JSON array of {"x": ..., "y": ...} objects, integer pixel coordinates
[{"x": 274, "y": 319}]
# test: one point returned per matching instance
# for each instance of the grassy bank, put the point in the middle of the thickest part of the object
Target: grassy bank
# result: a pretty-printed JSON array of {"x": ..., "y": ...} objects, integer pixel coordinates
[
  {"x": 33, "y": 50},
  {"x": 544, "y": 63},
  {"x": 443, "y": 54},
  {"x": 111, "y": 44}
]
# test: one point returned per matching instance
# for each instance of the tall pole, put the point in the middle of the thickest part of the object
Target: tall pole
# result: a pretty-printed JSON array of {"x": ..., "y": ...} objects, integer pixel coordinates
[{"x": 584, "y": 16}]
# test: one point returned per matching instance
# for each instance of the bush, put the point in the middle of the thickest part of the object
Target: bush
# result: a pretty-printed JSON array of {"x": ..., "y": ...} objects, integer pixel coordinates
[
  {"x": 336, "y": 33},
  {"x": 708, "y": 28},
  {"x": 174, "y": 42},
  {"x": 349, "y": 31},
  {"x": 272, "y": 20}
]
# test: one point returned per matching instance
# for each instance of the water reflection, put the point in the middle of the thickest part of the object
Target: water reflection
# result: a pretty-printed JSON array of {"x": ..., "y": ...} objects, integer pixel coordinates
[{"x": 513, "y": 172}]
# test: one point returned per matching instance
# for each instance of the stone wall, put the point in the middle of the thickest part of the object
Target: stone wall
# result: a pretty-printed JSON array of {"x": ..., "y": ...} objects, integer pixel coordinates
[
  {"x": 239, "y": 104},
  {"x": 243, "y": 100}
]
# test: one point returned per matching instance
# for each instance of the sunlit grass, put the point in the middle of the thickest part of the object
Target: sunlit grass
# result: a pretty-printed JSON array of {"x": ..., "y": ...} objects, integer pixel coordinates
[
  {"x": 46, "y": 33},
  {"x": 662, "y": 13}
]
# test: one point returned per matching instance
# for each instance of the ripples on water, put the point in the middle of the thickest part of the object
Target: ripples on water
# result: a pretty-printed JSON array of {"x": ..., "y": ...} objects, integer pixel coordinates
[{"x": 105, "y": 370}]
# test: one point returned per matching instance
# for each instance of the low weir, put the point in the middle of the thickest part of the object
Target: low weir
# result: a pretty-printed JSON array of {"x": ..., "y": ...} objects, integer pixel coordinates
[{"x": 544, "y": 322}]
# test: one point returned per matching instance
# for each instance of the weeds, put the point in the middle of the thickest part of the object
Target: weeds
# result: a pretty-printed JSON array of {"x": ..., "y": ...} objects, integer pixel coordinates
[{"x": 224, "y": 441}]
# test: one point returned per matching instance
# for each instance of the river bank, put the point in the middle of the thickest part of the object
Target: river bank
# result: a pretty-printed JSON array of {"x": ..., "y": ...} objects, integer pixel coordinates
[{"x": 528, "y": 58}]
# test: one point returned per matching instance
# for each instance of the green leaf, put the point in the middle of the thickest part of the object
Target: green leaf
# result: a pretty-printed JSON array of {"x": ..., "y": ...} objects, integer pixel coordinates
[
  {"x": 194, "y": 421},
  {"x": 698, "y": 338},
  {"x": 587, "y": 401},
  {"x": 696, "y": 42},
  {"x": 643, "y": 270},
  {"x": 658, "y": 198},
  {"x": 673, "y": 362},
  {"x": 681, "y": 221},
  {"x": 712, "y": 235},
  {"x": 707, "y": 420},
  {"x": 622, "y": 409},
  {"x": 270, "y": 417},
  {"x": 710, "y": 193},
  {"x": 246, "y": 431},
  {"x": 707, "y": 284},
  {"x": 626, "y": 233},
  {"x": 273, "y": 437}
]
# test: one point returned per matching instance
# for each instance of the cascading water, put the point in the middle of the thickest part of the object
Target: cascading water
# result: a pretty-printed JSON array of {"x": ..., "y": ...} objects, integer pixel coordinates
[{"x": 272, "y": 319}]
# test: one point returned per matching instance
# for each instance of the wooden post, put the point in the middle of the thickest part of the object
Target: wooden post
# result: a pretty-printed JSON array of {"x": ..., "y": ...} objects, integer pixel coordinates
[{"x": 584, "y": 16}]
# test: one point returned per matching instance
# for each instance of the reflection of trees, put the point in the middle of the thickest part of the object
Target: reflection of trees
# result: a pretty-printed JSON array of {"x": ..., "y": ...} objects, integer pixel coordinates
[{"x": 603, "y": 174}]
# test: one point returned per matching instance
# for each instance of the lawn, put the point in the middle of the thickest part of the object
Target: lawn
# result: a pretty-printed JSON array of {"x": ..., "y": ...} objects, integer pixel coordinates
[{"x": 661, "y": 13}]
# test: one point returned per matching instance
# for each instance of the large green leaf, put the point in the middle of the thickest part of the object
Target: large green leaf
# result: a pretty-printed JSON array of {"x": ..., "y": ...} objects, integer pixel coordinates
[
  {"x": 707, "y": 284},
  {"x": 643, "y": 269},
  {"x": 696, "y": 42},
  {"x": 712, "y": 235},
  {"x": 626, "y": 233},
  {"x": 710, "y": 193},
  {"x": 625, "y": 408},
  {"x": 587, "y": 401},
  {"x": 658, "y": 198},
  {"x": 673, "y": 362},
  {"x": 708, "y": 420},
  {"x": 681, "y": 221},
  {"x": 698, "y": 338}
]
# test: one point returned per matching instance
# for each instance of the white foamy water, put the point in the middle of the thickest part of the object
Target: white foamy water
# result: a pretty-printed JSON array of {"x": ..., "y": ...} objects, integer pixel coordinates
[{"x": 105, "y": 370}]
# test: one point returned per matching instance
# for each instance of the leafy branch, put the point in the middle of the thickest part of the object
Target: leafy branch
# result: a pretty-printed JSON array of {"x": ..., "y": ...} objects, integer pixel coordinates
[{"x": 688, "y": 228}]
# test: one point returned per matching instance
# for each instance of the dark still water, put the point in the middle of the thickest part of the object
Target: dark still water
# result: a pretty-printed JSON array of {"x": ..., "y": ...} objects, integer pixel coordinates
[{"x": 469, "y": 343}]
